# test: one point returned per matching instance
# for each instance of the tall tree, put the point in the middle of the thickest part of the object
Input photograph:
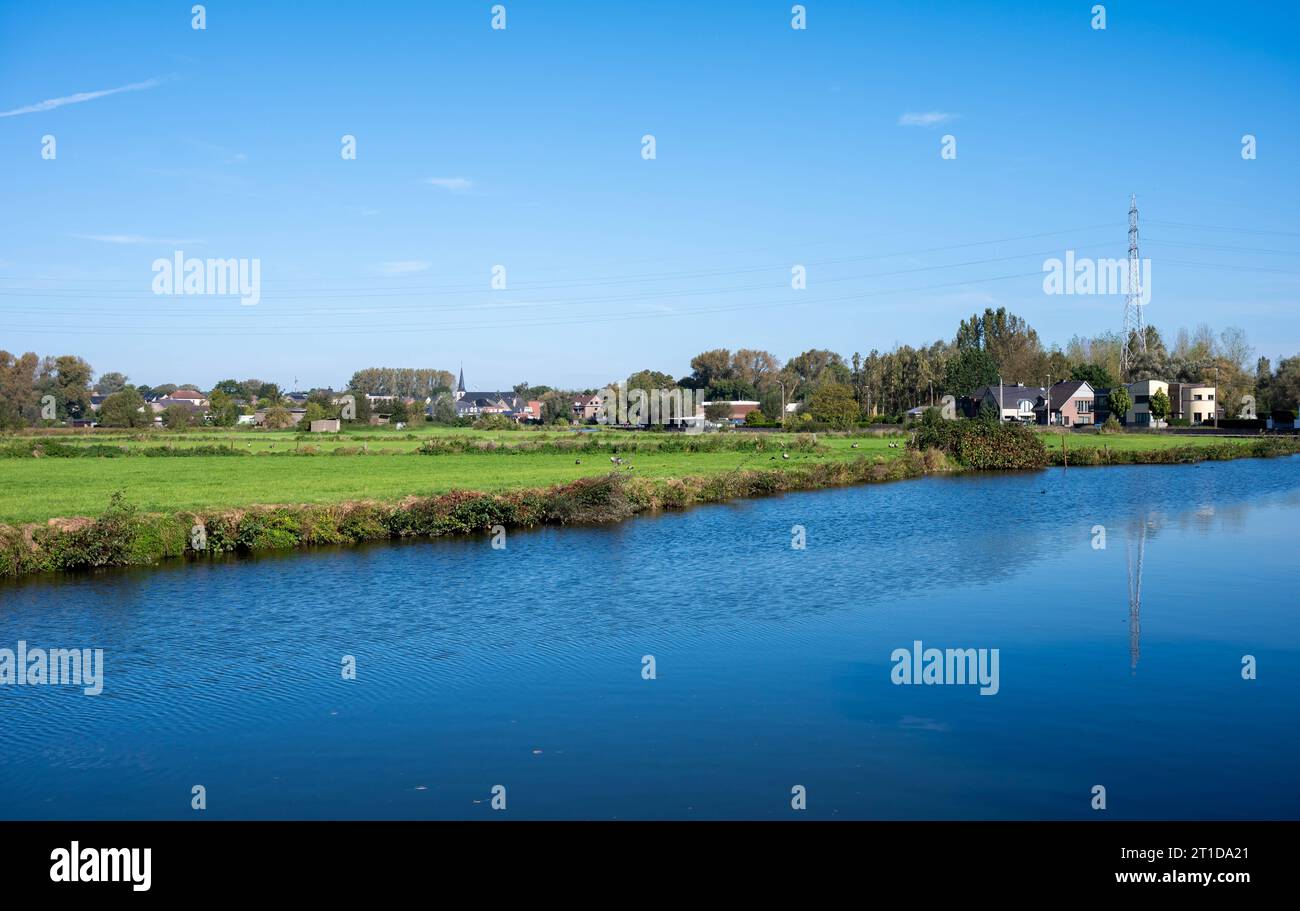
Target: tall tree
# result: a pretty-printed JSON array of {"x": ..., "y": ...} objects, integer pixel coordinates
[
  {"x": 968, "y": 370},
  {"x": 67, "y": 378},
  {"x": 109, "y": 383},
  {"x": 710, "y": 366},
  {"x": 755, "y": 367},
  {"x": 125, "y": 409},
  {"x": 19, "y": 400}
]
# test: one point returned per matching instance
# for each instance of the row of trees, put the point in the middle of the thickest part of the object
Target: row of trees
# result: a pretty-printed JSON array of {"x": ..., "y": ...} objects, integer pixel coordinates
[
  {"x": 987, "y": 347},
  {"x": 34, "y": 388}
]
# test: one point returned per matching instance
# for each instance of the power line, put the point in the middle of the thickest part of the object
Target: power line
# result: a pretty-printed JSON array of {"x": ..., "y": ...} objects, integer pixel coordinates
[
  {"x": 299, "y": 330},
  {"x": 622, "y": 279},
  {"x": 571, "y": 302},
  {"x": 1183, "y": 224}
]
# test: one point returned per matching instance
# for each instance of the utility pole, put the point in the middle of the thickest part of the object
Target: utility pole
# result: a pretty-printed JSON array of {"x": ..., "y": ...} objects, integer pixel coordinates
[
  {"x": 1000, "y": 398},
  {"x": 1133, "y": 302}
]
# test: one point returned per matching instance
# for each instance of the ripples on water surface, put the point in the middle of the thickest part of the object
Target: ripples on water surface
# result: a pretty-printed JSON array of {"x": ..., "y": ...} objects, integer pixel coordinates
[{"x": 522, "y": 667}]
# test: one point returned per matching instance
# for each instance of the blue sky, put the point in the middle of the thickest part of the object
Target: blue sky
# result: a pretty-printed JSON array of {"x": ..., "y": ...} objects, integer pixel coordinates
[{"x": 522, "y": 148}]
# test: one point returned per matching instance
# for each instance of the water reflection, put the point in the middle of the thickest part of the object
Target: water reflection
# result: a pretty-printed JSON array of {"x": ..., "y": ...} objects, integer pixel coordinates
[
  {"x": 1135, "y": 546},
  {"x": 772, "y": 662}
]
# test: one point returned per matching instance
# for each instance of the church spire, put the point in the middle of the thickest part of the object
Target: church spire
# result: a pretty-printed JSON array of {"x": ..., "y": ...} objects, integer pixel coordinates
[{"x": 460, "y": 387}]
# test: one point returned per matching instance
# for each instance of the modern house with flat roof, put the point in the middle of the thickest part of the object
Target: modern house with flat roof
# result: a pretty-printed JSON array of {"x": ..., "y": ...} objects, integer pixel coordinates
[
  {"x": 1141, "y": 391},
  {"x": 1193, "y": 402}
]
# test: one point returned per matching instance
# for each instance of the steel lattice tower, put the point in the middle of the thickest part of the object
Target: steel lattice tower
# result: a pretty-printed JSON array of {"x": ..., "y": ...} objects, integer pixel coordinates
[{"x": 1133, "y": 302}]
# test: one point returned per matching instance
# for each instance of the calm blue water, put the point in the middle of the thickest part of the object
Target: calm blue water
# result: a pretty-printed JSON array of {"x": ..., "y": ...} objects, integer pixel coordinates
[{"x": 522, "y": 667}]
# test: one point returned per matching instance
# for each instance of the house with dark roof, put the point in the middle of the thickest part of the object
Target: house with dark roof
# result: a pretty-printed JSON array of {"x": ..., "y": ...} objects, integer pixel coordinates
[
  {"x": 473, "y": 404},
  {"x": 1012, "y": 401},
  {"x": 586, "y": 407},
  {"x": 1068, "y": 404}
]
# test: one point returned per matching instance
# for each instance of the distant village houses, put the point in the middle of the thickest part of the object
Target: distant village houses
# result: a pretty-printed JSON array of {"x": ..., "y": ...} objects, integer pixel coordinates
[{"x": 512, "y": 405}]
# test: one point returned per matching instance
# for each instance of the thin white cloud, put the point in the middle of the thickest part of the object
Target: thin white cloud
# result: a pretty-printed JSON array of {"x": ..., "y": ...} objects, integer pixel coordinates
[
  {"x": 135, "y": 239},
  {"x": 402, "y": 267},
  {"x": 454, "y": 184},
  {"x": 925, "y": 119},
  {"x": 52, "y": 103},
  {"x": 229, "y": 156}
]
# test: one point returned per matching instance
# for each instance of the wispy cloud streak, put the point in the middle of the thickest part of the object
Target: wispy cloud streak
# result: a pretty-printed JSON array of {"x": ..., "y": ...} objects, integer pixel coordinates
[
  {"x": 52, "y": 103},
  {"x": 925, "y": 119},
  {"x": 454, "y": 184},
  {"x": 133, "y": 239}
]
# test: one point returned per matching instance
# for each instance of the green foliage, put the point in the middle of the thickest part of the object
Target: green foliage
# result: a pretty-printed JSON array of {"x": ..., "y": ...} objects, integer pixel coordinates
[
  {"x": 107, "y": 541},
  {"x": 177, "y": 417},
  {"x": 982, "y": 445},
  {"x": 494, "y": 422},
  {"x": 732, "y": 390},
  {"x": 1095, "y": 375},
  {"x": 315, "y": 411},
  {"x": 398, "y": 411},
  {"x": 968, "y": 370},
  {"x": 125, "y": 409},
  {"x": 278, "y": 418},
  {"x": 1159, "y": 405},
  {"x": 222, "y": 410},
  {"x": 717, "y": 411},
  {"x": 834, "y": 405},
  {"x": 1118, "y": 402}
]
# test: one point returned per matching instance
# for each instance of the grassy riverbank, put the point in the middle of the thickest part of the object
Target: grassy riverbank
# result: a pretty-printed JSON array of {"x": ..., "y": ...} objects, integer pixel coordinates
[
  {"x": 123, "y": 536},
  {"x": 296, "y": 491}
]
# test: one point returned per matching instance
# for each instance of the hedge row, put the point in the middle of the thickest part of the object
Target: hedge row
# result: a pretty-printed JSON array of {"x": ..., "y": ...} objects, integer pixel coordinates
[
  {"x": 53, "y": 449},
  {"x": 1267, "y": 447},
  {"x": 123, "y": 537},
  {"x": 984, "y": 445},
  {"x": 449, "y": 445},
  {"x": 596, "y": 443}
]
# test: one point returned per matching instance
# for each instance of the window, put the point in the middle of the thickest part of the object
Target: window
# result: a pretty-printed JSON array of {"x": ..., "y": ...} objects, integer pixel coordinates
[
  {"x": 1141, "y": 399},
  {"x": 1197, "y": 397},
  {"x": 1083, "y": 406},
  {"x": 1210, "y": 397}
]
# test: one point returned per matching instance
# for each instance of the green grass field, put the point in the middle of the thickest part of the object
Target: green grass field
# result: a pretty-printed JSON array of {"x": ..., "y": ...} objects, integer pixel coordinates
[
  {"x": 1134, "y": 442},
  {"x": 36, "y": 489}
]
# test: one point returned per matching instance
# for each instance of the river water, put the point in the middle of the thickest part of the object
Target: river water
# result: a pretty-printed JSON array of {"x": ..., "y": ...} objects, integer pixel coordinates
[{"x": 1118, "y": 666}]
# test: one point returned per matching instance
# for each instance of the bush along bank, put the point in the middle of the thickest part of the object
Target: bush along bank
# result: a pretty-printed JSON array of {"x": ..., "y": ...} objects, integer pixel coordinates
[
  {"x": 1264, "y": 448},
  {"x": 122, "y": 536},
  {"x": 983, "y": 445}
]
